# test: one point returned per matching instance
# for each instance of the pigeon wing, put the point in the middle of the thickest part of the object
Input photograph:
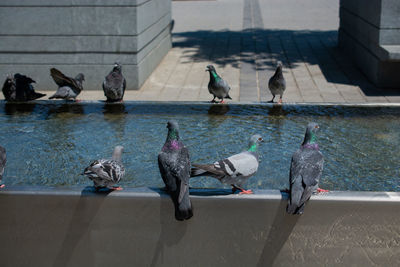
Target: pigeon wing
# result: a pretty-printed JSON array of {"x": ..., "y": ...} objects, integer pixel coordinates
[{"x": 61, "y": 80}]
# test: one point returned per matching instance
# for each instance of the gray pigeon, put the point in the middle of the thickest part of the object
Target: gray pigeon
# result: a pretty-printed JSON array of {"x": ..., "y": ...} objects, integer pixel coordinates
[
  {"x": 3, "y": 160},
  {"x": 105, "y": 173},
  {"x": 217, "y": 86},
  {"x": 234, "y": 170},
  {"x": 174, "y": 164},
  {"x": 114, "y": 84},
  {"x": 19, "y": 88},
  {"x": 68, "y": 88},
  {"x": 277, "y": 83},
  {"x": 305, "y": 171}
]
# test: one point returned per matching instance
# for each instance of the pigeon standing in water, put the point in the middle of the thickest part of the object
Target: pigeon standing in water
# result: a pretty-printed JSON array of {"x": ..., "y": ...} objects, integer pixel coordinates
[
  {"x": 277, "y": 83},
  {"x": 114, "y": 84},
  {"x": 234, "y": 170},
  {"x": 3, "y": 160},
  {"x": 105, "y": 173},
  {"x": 217, "y": 86},
  {"x": 305, "y": 171},
  {"x": 68, "y": 88},
  {"x": 19, "y": 88},
  {"x": 174, "y": 164}
]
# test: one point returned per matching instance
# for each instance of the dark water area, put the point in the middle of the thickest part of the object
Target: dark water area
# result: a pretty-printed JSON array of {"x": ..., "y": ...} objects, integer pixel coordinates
[{"x": 51, "y": 143}]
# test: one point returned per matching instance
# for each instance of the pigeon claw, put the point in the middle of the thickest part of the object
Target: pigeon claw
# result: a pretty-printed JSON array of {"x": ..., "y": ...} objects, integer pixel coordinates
[
  {"x": 116, "y": 188},
  {"x": 246, "y": 192},
  {"x": 280, "y": 101},
  {"x": 320, "y": 190}
]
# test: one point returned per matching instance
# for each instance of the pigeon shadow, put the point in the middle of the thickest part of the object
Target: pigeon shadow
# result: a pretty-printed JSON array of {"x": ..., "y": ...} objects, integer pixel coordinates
[
  {"x": 172, "y": 230},
  {"x": 281, "y": 229},
  {"x": 85, "y": 212}
]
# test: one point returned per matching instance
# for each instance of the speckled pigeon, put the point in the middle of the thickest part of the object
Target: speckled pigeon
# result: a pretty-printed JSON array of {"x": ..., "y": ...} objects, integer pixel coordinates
[
  {"x": 19, "y": 88},
  {"x": 105, "y": 173},
  {"x": 234, "y": 170},
  {"x": 217, "y": 86},
  {"x": 3, "y": 160},
  {"x": 305, "y": 171},
  {"x": 174, "y": 164},
  {"x": 68, "y": 88},
  {"x": 114, "y": 84},
  {"x": 277, "y": 83}
]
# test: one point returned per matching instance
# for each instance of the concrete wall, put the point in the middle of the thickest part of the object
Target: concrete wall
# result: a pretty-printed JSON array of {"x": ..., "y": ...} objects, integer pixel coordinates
[
  {"x": 136, "y": 227},
  {"x": 85, "y": 36},
  {"x": 370, "y": 33}
]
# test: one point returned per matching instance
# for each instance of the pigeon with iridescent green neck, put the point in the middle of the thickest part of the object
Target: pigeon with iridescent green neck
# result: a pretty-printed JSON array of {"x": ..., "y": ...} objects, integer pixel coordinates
[
  {"x": 217, "y": 86},
  {"x": 277, "y": 83},
  {"x": 174, "y": 165},
  {"x": 234, "y": 170},
  {"x": 305, "y": 171}
]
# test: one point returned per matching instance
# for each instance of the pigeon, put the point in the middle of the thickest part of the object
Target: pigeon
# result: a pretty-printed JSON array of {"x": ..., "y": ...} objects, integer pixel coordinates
[
  {"x": 234, "y": 170},
  {"x": 305, "y": 171},
  {"x": 105, "y": 173},
  {"x": 174, "y": 165},
  {"x": 19, "y": 88},
  {"x": 3, "y": 160},
  {"x": 277, "y": 83},
  {"x": 114, "y": 84},
  {"x": 68, "y": 88},
  {"x": 217, "y": 86}
]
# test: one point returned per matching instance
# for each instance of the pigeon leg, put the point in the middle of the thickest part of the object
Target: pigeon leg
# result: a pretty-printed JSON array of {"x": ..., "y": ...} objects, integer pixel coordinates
[
  {"x": 116, "y": 188},
  {"x": 243, "y": 191},
  {"x": 222, "y": 101},
  {"x": 77, "y": 100},
  {"x": 320, "y": 190},
  {"x": 280, "y": 100},
  {"x": 272, "y": 100},
  {"x": 213, "y": 100},
  {"x": 286, "y": 190}
]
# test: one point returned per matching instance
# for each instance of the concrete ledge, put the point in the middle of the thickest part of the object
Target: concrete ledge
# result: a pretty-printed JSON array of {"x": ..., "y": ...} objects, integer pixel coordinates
[{"x": 136, "y": 227}]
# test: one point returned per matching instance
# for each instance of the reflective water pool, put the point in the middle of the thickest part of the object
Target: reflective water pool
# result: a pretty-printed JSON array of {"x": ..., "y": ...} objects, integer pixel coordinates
[{"x": 50, "y": 144}]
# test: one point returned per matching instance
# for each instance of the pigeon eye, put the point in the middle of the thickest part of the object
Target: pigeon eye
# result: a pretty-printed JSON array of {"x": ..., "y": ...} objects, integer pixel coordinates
[
  {"x": 259, "y": 139},
  {"x": 316, "y": 126}
]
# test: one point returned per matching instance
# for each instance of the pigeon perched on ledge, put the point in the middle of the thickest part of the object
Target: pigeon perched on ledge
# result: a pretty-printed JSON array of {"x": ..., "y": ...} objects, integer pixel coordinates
[
  {"x": 277, "y": 83},
  {"x": 114, "y": 84},
  {"x": 19, "y": 88},
  {"x": 234, "y": 170},
  {"x": 68, "y": 88},
  {"x": 305, "y": 171},
  {"x": 3, "y": 160},
  {"x": 174, "y": 165},
  {"x": 105, "y": 173},
  {"x": 217, "y": 86}
]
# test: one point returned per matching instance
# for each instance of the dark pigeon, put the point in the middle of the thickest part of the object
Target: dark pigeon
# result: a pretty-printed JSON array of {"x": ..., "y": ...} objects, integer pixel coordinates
[
  {"x": 234, "y": 170},
  {"x": 68, "y": 88},
  {"x": 217, "y": 86},
  {"x": 305, "y": 171},
  {"x": 105, "y": 173},
  {"x": 277, "y": 83},
  {"x": 174, "y": 164},
  {"x": 3, "y": 160},
  {"x": 19, "y": 88},
  {"x": 114, "y": 84}
]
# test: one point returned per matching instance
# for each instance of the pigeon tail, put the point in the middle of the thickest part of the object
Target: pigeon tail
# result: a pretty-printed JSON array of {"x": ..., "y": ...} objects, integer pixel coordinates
[
  {"x": 197, "y": 172},
  {"x": 36, "y": 95},
  {"x": 183, "y": 210},
  {"x": 228, "y": 97},
  {"x": 294, "y": 209}
]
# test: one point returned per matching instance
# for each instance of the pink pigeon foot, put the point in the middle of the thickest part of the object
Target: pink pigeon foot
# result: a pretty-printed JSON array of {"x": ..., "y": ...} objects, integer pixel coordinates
[
  {"x": 116, "y": 188},
  {"x": 246, "y": 192},
  {"x": 2, "y": 186},
  {"x": 280, "y": 101},
  {"x": 320, "y": 190}
]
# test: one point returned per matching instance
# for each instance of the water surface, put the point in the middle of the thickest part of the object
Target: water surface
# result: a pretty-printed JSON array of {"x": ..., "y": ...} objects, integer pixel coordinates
[{"x": 51, "y": 144}]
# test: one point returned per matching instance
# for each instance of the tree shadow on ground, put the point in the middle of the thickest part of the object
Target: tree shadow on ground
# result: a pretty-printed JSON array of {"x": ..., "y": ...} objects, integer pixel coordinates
[{"x": 261, "y": 48}]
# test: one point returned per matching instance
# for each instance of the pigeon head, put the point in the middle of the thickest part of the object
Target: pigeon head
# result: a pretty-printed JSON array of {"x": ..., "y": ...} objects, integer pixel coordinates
[
  {"x": 311, "y": 131},
  {"x": 254, "y": 141},
  {"x": 10, "y": 79},
  {"x": 117, "y": 154},
  {"x": 173, "y": 130},
  {"x": 80, "y": 77},
  {"x": 210, "y": 68},
  {"x": 279, "y": 66},
  {"x": 117, "y": 67}
]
